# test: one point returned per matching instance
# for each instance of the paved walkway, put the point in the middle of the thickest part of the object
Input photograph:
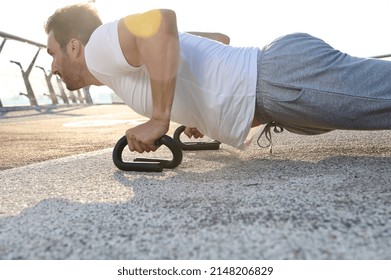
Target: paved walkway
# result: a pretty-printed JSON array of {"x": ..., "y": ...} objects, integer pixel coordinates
[
  {"x": 38, "y": 135},
  {"x": 320, "y": 197}
]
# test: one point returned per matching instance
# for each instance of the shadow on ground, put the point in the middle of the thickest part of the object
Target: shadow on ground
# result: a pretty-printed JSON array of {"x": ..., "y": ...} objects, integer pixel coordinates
[{"x": 217, "y": 205}]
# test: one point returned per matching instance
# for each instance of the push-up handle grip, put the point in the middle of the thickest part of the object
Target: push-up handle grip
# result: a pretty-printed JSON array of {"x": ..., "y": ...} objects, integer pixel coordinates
[
  {"x": 147, "y": 164},
  {"x": 194, "y": 146}
]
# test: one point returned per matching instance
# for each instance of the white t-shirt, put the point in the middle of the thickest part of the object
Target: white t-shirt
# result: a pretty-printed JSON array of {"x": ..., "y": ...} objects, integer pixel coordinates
[{"x": 215, "y": 88}]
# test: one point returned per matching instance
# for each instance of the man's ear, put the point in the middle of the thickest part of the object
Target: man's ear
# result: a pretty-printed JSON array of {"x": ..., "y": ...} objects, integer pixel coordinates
[{"x": 75, "y": 48}]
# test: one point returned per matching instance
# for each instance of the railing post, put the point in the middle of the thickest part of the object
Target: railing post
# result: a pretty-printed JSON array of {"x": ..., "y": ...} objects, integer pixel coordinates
[
  {"x": 30, "y": 93},
  {"x": 80, "y": 96},
  {"x": 2, "y": 44},
  {"x": 1, "y": 48},
  {"x": 87, "y": 95},
  {"x": 62, "y": 91},
  {"x": 72, "y": 97},
  {"x": 48, "y": 78}
]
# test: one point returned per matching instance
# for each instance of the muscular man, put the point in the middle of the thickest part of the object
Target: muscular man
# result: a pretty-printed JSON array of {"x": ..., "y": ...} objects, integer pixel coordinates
[{"x": 297, "y": 82}]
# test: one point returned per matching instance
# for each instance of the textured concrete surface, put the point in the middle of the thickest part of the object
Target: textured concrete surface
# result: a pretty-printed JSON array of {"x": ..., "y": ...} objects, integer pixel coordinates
[
  {"x": 318, "y": 197},
  {"x": 37, "y": 135}
]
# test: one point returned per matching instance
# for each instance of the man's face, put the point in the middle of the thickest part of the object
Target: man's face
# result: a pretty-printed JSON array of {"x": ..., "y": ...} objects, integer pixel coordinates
[{"x": 64, "y": 64}]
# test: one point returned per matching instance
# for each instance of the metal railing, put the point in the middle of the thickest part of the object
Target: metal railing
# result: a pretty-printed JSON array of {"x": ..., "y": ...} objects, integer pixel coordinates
[
  {"x": 382, "y": 56},
  {"x": 78, "y": 96}
]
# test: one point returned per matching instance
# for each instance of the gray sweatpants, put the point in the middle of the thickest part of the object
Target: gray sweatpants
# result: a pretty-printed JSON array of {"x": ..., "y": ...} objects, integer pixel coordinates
[{"x": 307, "y": 87}]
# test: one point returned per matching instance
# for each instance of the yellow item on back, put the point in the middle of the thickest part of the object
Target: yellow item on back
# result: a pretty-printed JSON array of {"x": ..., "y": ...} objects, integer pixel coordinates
[{"x": 144, "y": 25}]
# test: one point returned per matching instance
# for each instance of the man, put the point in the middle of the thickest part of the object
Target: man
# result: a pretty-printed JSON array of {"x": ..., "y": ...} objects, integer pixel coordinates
[{"x": 298, "y": 82}]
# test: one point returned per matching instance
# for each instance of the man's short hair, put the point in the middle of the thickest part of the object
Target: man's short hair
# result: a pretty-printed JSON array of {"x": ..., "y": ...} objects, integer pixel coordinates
[{"x": 74, "y": 21}]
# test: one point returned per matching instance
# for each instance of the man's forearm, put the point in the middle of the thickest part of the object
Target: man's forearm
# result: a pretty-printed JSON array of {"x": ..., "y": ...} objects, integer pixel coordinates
[
  {"x": 164, "y": 70},
  {"x": 163, "y": 97},
  {"x": 220, "y": 37}
]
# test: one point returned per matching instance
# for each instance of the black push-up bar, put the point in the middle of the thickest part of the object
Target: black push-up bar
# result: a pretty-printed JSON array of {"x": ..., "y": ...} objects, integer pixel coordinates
[
  {"x": 157, "y": 165},
  {"x": 194, "y": 146},
  {"x": 147, "y": 164}
]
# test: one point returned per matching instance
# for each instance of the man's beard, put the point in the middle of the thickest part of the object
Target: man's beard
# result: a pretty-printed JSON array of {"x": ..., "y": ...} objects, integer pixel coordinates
[{"x": 73, "y": 81}]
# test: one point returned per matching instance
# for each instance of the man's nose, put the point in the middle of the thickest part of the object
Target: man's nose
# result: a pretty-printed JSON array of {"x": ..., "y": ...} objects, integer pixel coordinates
[{"x": 54, "y": 68}]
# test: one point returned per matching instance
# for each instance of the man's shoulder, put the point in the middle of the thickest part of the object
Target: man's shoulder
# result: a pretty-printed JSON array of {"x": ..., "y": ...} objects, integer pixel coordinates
[
  {"x": 98, "y": 55},
  {"x": 103, "y": 32}
]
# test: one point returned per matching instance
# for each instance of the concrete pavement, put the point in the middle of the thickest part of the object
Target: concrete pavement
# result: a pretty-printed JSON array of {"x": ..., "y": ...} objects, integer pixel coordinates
[
  {"x": 318, "y": 197},
  {"x": 30, "y": 136}
]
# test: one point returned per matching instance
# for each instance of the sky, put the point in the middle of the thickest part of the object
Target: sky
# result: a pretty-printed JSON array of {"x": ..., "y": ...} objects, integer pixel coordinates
[{"x": 360, "y": 28}]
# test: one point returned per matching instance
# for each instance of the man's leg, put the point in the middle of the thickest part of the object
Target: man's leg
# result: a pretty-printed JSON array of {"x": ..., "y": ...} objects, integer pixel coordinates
[{"x": 307, "y": 87}]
